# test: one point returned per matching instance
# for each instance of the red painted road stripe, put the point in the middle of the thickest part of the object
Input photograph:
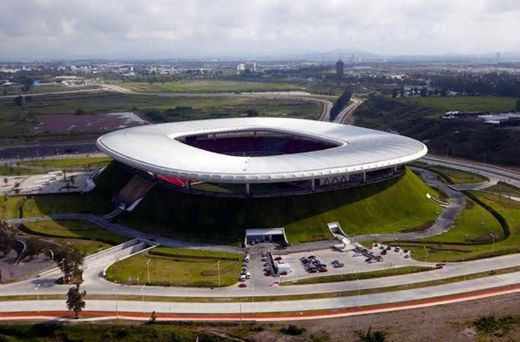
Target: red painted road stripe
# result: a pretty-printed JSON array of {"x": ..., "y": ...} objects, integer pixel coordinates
[{"x": 274, "y": 316}]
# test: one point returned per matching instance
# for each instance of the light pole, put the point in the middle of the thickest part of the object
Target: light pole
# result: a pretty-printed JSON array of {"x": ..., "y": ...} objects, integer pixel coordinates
[
  {"x": 252, "y": 312},
  {"x": 117, "y": 298},
  {"x": 358, "y": 292},
  {"x": 218, "y": 268},
  {"x": 38, "y": 295},
  {"x": 142, "y": 292},
  {"x": 148, "y": 269}
]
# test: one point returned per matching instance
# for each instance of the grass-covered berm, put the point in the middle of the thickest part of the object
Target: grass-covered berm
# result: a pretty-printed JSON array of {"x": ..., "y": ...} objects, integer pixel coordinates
[{"x": 391, "y": 206}]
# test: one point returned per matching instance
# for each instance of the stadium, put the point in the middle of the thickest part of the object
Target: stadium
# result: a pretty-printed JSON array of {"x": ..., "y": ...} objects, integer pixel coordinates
[{"x": 258, "y": 157}]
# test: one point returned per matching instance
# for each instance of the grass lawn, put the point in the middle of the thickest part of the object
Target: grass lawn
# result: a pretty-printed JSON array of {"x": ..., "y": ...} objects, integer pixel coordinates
[
  {"x": 391, "y": 206},
  {"x": 10, "y": 170},
  {"x": 208, "y": 86},
  {"x": 474, "y": 224},
  {"x": 17, "y": 90},
  {"x": 9, "y": 206},
  {"x": 67, "y": 203},
  {"x": 74, "y": 229},
  {"x": 450, "y": 249},
  {"x": 122, "y": 332},
  {"x": 464, "y": 103},
  {"x": 505, "y": 189},
  {"x": 85, "y": 236},
  {"x": 18, "y": 122},
  {"x": 459, "y": 176},
  {"x": 361, "y": 275},
  {"x": 178, "y": 267},
  {"x": 44, "y": 166},
  {"x": 68, "y": 163}
]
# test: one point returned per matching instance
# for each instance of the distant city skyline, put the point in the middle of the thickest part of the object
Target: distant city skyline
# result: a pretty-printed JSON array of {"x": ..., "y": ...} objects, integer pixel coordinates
[{"x": 161, "y": 29}]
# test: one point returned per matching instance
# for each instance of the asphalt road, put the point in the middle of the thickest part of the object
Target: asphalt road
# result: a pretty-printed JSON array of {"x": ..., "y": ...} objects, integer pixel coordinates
[{"x": 269, "y": 306}]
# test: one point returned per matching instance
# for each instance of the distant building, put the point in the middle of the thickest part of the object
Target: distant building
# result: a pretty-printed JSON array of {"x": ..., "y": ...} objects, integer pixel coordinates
[
  {"x": 340, "y": 68},
  {"x": 246, "y": 67}
]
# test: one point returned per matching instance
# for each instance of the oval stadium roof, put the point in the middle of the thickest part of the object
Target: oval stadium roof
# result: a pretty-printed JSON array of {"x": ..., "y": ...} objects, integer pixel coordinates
[{"x": 154, "y": 148}]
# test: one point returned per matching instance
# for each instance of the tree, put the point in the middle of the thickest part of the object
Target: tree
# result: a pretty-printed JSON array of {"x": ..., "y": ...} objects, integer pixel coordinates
[
  {"x": 6, "y": 238},
  {"x": 395, "y": 92},
  {"x": 18, "y": 101},
  {"x": 340, "y": 103},
  {"x": 6, "y": 180},
  {"x": 153, "y": 317},
  {"x": 517, "y": 108},
  {"x": 70, "y": 260},
  {"x": 424, "y": 92},
  {"x": 34, "y": 246},
  {"x": 79, "y": 111},
  {"x": 252, "y": 113},
  {"x": 75, "y": 300},
  {"x": 372, "y": 336}
]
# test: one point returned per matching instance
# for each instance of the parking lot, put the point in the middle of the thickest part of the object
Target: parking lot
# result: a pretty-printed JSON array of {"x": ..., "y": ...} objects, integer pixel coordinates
[
  {"x": 348, "y": 262},
  {"x": 319, "y": 263}
]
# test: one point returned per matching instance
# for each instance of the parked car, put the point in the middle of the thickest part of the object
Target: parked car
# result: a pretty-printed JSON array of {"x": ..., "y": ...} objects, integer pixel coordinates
[
  {"x": 283, "y": 273},
  {"x": 242, "y": 285},
  {"x": 337, "y": 264},
  {"x": 268, "y": 273},
  {"x": 278, "y": 258},
  {"x": 322, "y": 270}
]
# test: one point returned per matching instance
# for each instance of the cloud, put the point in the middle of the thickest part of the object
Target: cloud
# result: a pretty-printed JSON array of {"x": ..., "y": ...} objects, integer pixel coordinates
[{"x": 172, "y": 28}]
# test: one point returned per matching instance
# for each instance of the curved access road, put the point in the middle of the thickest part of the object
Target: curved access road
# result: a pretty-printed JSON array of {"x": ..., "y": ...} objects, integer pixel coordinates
[{"x": 506, "y": 175}]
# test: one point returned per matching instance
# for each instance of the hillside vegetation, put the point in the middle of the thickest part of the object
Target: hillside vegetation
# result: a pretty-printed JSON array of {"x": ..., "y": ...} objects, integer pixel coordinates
[
  {"x": 391, "y": 206},
  {"x": 420, "y": 119}
]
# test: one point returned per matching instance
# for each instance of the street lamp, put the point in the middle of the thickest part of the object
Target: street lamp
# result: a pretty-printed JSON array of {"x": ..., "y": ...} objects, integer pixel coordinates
[
  {"x": 117, "y": 298},
  {"x": 148, "y": 268},
  {"x": 142, "y": 292},
  {"x": 252, "y": 312},
  {"x": 38, "y": 295},
  {"x": 218, "y": 267}
]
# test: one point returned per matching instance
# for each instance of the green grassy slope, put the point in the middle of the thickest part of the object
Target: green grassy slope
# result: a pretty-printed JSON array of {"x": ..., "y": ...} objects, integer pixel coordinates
[
  {"x": 464, "y": 103},
  {"x": 209, "y": 86},
  {"x": 380, "y": 208}
]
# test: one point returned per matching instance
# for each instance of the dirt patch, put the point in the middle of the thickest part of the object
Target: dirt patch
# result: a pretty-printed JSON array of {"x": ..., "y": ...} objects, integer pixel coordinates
[{"x": 85, "y": 123}]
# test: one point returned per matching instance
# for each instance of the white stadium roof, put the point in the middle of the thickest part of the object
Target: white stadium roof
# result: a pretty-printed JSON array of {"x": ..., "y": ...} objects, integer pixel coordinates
[{"x": 154, "y": 148}]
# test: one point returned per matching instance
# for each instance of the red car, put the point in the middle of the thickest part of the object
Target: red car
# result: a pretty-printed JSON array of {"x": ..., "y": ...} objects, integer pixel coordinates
[
  {"x": 322, "y": 270},
  {"x": 242, "y": 285},
  {"x": 278, "y": 258}
]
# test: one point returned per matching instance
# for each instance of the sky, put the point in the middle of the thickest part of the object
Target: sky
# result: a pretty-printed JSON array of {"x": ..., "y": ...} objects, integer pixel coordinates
[{"x": 54, "y": 29}]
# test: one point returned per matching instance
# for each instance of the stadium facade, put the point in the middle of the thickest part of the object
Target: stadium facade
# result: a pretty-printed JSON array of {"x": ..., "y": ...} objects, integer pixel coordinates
[{"x": 260, "y": 156}]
